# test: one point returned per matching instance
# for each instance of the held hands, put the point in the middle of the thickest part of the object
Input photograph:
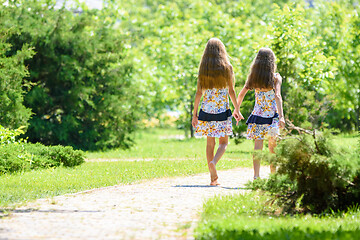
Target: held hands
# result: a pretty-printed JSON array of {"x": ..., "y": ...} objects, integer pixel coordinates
[
  {"x": 194, "y": 121},
  {"x": 238, "y": 116}
]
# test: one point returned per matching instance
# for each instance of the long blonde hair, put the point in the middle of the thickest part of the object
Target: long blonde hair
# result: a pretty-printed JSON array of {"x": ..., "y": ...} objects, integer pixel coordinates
[{"x": 215, "y": 70}]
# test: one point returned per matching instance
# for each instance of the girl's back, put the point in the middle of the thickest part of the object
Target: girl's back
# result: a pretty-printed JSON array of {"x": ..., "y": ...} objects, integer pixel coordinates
[
  {"x": 215, "y": 101},
  {"x": 265, "y": 104}
]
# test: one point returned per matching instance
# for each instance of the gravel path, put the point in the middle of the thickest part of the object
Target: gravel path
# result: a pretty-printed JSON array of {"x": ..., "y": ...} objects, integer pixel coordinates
[{"x": 166, "y": 208}]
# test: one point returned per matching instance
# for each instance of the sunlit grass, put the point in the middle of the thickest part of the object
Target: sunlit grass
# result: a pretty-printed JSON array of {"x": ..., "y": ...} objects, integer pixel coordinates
[
  {"x": 251, "y": 217},
  {"x": 22, "y": 187},
  {"x": 171, "y": 144},
  {"x": 157, "y": 143}
]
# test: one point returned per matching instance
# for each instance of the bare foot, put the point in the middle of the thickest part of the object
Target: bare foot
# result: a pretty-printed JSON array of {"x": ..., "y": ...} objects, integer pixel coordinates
[
  {"x": 214, "y": 183},
  {"x": 213, "y": 174}
]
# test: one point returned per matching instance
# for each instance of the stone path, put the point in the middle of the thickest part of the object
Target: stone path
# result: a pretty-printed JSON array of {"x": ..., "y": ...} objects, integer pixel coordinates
[{"x": 166, "y": 208}]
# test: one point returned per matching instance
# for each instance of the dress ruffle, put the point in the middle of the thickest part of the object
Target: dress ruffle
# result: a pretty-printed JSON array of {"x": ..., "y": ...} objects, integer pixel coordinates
[
  {"x": 204, "y": 116},
  {"x": 261, "y": 120},
  {"x": 214, "y": 128}
]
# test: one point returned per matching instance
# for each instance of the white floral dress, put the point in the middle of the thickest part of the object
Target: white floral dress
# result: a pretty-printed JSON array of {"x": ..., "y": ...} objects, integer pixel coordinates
[
  {"x": 215, "y": 115},
  {"x": 263, "y": 122}
]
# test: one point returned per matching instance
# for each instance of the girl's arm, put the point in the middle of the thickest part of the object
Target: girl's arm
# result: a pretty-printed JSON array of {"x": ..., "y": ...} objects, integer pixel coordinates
[
  {"x": 198, "y": 96},
  {"x": 237, "y": 115},
  {"x": 278, "y": 100},
  {"x": 241, "y": 96}
]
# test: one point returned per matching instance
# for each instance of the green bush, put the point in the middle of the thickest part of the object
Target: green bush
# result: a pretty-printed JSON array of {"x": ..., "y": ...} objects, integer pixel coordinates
[
  {"x": 54, "y": 156},
  {"x": 8, "y": 136},
  {"x": 14, "y": 158},
  {"x": 83, "y": 93},
  {"x": 19, "y": 157},
  {"x": 313, "y": 175},
  {"x": 13, "y": 73}
]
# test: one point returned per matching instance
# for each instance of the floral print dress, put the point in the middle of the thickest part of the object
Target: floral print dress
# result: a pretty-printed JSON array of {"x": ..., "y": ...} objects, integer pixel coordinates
[
  {"x": 215, "y": 115},
  {"x": 263, "y": 122}
]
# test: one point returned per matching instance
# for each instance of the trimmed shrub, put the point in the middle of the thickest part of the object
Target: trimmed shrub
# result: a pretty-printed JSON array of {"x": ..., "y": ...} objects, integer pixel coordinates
[
  {"x": 313, "y": 175},
  {"x": 54, "y": 156},
  {"x": 14, "y": 158},
  {"x": 20, "y": 157}
]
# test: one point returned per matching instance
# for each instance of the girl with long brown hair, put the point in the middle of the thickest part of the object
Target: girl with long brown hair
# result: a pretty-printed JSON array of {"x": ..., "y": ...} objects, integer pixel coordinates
[
  {"x": 216, "y": 83},
  {"x": 267, "y": 116}
]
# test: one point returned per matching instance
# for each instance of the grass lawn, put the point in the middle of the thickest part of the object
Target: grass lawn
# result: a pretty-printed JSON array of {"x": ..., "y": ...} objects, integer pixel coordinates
[
  {"x": 250, "y": 217},
  {"x": 165, "y": 144},
  {"x": 22, "y": 187}
]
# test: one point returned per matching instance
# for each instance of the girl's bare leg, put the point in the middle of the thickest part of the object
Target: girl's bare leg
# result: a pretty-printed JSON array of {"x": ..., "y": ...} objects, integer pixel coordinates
[
  {"x": 210, "y": 146},
  {"x": 258, "y": 146},
  {"x": 272, "y": 145},
  {"x": 223, "y": 142}
]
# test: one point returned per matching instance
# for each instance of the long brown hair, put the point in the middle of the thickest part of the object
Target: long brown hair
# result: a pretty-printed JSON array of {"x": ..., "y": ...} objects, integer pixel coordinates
[
  {"x": 262, "y": 70},
  {"x": 215, "y": 70}
]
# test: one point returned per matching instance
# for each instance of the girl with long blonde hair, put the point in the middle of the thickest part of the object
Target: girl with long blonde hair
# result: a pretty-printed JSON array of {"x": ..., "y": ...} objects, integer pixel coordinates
[{"x": 216, "y": 84}]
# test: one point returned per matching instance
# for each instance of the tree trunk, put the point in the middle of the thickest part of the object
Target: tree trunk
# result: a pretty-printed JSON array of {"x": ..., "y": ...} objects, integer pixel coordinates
[
  {"x": 358, "y": 114},
  {"x": 191, "y": 116}
]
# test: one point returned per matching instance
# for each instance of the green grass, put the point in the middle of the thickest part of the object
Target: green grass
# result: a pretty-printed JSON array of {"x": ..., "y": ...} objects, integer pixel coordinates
[
  {"x": 163, "y": 144},
  {"x": 158, "y": 143},
  {"x": 22, "y": 187},
  {"x": 250, "y": 217}
]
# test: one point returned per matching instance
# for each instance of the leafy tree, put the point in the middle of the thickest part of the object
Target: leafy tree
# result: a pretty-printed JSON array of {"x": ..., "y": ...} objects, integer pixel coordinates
[
  {"x": 335, "y": 22},
  {"x": 13, "y": 113},
  {"x": 84, "y": 95}
]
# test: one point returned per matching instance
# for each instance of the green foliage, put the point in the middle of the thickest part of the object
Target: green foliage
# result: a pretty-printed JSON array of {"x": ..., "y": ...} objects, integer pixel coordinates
[
  {"x": 20, "y": 157},
  {"x": 16, "y": 155},
  {"x": 96, "y": 72},
  {"x": 9, "y": 136},
  {"x": 302, "y": 63},
  {"x": 54, "y": 156},
  {"x": 313, "y": 175},
  {"x": 83, "y": 94},
  {"x": 13, "y": 113},
  {"x": 311, "y": 45},
  {"x": 14, "y": 158},
  {"x": 336, "y": 22}
]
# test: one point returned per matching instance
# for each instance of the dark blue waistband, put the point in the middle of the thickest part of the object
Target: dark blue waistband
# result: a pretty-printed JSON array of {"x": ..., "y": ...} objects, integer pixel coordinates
[
  {"x": 261, "y": 120},
  {"x": 203, "y": 116}
]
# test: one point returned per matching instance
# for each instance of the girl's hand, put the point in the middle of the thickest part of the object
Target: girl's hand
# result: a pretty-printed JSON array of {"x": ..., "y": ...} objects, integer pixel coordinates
[
  {"x": 238, "y": 116},
  {"x": 278, "y": 77},
  {"x": 282, "y": 122},
  {"x": 194, "y": 121}
]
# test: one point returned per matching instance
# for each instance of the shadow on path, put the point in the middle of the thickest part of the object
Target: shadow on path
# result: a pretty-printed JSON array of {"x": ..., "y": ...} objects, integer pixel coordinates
[
  {"x": 30, "y": 210},
  {"x": 209, "y": 186}
]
